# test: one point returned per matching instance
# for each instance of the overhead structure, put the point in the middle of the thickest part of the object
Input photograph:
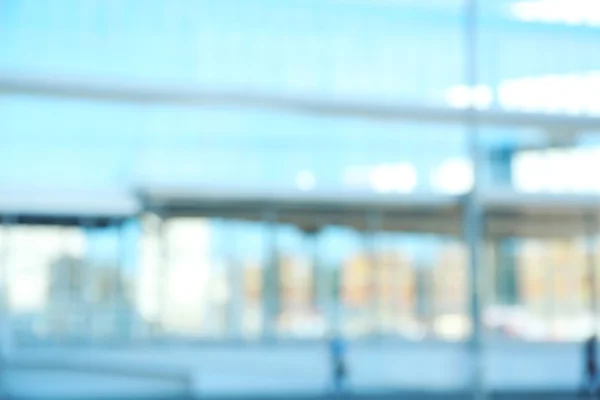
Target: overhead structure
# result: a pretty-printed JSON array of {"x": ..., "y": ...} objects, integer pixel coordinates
[
  {"x": 506, "y": 213},
  {"x": 561, "y": 127},
  {"x": 54, "y": 207}
]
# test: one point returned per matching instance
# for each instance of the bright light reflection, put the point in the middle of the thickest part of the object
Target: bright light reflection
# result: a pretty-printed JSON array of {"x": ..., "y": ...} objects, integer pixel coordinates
[
  {"x": 568, "y": 12},
  {"x": 575, "y": 94}
]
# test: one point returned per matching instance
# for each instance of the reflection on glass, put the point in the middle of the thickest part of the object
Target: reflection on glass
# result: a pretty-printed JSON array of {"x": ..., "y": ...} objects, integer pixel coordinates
[
  {"x": 298, "y": 315},
  {"x": 68, "y": 282},
  {"x": 205, "y": 277},
  {"x": 451, "y": 292},
  {"x": 194, "y": 280},
  {"x": 542, "y": 290},
  {"x": 214, "y": 278},
  {"x": 247, "y": 245},
  {"x": 395, "y": 282},
  {"x": 43, "y": 266},
  {"x": 345, "y": 277}
]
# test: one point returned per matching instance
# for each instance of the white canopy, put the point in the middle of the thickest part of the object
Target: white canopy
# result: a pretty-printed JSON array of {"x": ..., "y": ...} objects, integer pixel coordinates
[
  {"x": 64, "y": 203},
  {"x": 506, "y": 213}
]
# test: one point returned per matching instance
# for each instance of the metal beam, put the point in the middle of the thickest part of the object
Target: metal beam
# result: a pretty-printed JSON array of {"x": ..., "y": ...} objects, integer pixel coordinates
[
  {"x": 506, "y": 213},
  {"x": 474, "y": 211},
  {"x": 149, "y": 92}
]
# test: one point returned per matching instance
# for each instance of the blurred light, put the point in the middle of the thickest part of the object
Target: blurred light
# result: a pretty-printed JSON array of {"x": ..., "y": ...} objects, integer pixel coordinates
[
  {"x": 305, "y": 180},
  {"x": 592, "y": 168},
  {"x": 557, "y": 171},
  {"x": 570, "y": 12},
  {"x": 462, "y": 96},
  {"x": 574, "y": 89},
  {"x": 482, "y": 97},
  {"x": 528, "y": 95},
  {"x": 459, "y": 96},
  {"x": 575, "y": 94},
  {"x": 525, "y": 11},
  {"x": 507, "y": 94},
  {"x": 582, "y": 171},
  {"x": 591, "y": 93},
  {"x": 454, "y": 176},
  {"x": 529, "y": 170},
  {"x": 190, "y": 278},
  {"x": 390, "y": 178},
  {"x": 383, "y": 178},
  {"x": 453, "y": 327},
  {"x": 550, "y": 84}
]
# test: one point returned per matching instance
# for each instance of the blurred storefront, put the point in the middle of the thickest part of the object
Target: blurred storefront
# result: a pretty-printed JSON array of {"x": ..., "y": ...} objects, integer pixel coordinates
[{"x": 314, "y": 161}]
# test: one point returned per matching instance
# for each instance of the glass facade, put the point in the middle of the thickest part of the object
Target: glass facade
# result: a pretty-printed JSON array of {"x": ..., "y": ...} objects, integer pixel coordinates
[
  {"x": 93, "y": 98},
  {"x": 69, "y": 283}
]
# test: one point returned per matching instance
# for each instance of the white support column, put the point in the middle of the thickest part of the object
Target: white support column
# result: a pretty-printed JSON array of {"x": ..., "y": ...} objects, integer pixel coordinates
[
  {"x": 557, "y": 301},
  {"x": 271, "y": 279},
  {"x": 124, "y": 324},
  {"x": 6, "y": 334},
  {"x": 473, "y": 237},
  {"x": 374, "y": 224},
  {"x": 162, "y": 278},
  {"x": 591, "y": 234},
  {"x": 137, "y": 327},
  {"x": 85, "y": 298},
  {"x": 5, "y": 323},
  {"x": 337, "y": 308},
  {"x": 323, "y": 302},
  {"x": 321, "y": 283},
  {"x": 235, "y": 274},
  {"x": 473, "y": 211}
]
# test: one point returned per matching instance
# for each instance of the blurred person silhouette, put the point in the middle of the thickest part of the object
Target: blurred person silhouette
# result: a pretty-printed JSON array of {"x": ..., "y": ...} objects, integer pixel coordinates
[
  {"x": 590, "y": 380},
  {"x": 337, "y": 352}
]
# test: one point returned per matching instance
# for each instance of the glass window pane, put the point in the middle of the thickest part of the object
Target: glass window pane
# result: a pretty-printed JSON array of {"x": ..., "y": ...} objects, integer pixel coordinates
[{"x": 346, "y": 270}]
